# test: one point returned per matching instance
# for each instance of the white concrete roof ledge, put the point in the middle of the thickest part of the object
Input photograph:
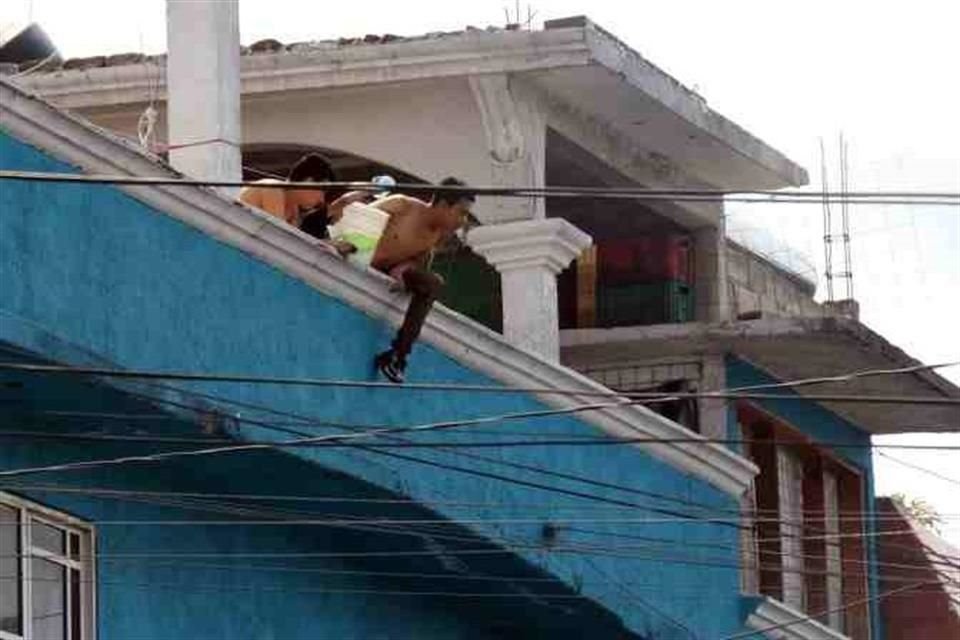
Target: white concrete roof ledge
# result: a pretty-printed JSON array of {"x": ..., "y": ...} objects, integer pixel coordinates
[{"x": 767, "y": 618}]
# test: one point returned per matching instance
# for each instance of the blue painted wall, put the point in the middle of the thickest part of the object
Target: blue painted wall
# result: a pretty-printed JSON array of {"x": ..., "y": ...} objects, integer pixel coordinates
[
  {"x": 91, "y": 275},
  {"x": 820, "y": 424}
]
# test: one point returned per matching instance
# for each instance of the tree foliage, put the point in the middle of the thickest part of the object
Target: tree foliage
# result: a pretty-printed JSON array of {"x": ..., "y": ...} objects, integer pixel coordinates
[{"x": 920, "y": 511}]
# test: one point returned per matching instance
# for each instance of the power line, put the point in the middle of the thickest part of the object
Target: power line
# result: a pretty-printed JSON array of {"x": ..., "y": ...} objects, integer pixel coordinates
[
  {"x": 636, "y": 552},
  {"x": 474, "y": 472},
  {"x": 446, "y": 387},
  {"x": 660, "y": 497},
  {"x": 471, "y": 456},
  {"x": 548, "y": 440},
  {"x": 458, "y": 521},
  {"x": 347, "y": 499},
  {"x": 545, "y": 487},
  {"x": 308, "y": 423},
  {"x": 407, "y": 525},
  {"x": 415, "y": 527},
  {"x": 885, "y": 197},
  {"x": 382, "y": 526},
  {"x": 435, "y": 386},
  {"x": 915, "y": 467}
]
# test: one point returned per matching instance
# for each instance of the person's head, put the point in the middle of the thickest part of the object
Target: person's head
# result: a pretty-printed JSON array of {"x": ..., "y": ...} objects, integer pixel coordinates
[
  {"x": 310, "y": 168},
  {"x": 454, "y": 203}
]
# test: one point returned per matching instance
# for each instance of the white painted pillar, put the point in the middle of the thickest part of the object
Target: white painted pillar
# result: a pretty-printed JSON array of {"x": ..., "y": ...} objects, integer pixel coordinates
[
  {"x": 203, "y": 88},
  {"x": 529, "y": 255}
]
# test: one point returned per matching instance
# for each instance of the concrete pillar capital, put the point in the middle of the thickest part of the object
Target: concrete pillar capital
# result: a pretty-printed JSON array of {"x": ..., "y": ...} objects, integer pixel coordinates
[
  {"x": 528, "y": 255},
  {"x": 550, "y": 243}
]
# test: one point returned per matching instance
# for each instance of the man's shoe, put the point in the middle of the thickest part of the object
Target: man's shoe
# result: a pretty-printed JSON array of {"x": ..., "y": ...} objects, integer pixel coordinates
[{"x": 391, "y": 366}]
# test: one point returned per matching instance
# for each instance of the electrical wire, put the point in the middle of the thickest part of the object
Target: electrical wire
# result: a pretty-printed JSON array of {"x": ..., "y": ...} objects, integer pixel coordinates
[
  {"x": 745, "y": 196},
  {"x": 565, "y": 476},
  {"x": 447, "y": 387},
  {"x": 470, "y": 456},
  {"x": 391, "y": 527},
  {"x": 545, "y": 471},
  {"x": 346, "y": 499},
  {"x": 480, "y": 444},
  {"x": 405, "y": 526},
  {"x": 636, "y": 553},
  {"x": 915, "y": 467}
]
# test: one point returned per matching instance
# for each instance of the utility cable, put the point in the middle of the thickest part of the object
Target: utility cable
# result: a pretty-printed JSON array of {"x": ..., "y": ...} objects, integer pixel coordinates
[
  {"x": 448, "y": 387},
  {"x": 480, "y": 444},
  {"x": 746, "y": 196},
  {"x": 915, "y": 467}
]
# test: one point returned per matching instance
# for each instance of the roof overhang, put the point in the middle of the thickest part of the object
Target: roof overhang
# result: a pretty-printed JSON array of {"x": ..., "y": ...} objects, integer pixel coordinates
[
  {"x": 574, "y": 61},
  {"x": 792, "y": 349}
]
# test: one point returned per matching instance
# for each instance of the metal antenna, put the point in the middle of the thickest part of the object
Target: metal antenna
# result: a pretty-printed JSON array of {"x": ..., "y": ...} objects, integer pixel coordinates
[
  {"x": 827, "y": 224},
  {"x": 845, "y": 217}
]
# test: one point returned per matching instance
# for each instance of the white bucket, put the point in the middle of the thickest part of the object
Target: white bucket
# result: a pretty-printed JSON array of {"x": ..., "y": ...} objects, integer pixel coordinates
[{"x": 362, "y": 226}]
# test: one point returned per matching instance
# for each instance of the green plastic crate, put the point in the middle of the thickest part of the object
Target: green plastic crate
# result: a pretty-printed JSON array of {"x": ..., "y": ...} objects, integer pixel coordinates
[{"x": 664, "y": 302}]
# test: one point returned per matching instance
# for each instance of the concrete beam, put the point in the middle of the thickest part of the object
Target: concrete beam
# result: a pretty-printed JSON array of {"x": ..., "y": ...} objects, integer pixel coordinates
[{"x": 619, "y": 162}]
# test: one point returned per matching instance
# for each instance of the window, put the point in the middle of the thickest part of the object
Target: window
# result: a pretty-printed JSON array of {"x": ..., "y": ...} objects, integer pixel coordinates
[
  {"x": 806, "y": 545},
  {"x": 46, "y": 586}
]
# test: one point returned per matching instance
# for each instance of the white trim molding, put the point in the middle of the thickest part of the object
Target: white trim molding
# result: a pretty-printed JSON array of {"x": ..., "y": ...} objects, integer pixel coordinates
[
  {"x": 771, "y": 614},
  {"x": 94, "y": 151}
]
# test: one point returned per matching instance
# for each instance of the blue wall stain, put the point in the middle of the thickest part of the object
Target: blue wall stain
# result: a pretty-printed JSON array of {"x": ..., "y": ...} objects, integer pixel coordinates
[
  {"x": 87, "y": 269},
  {"x": 822, "y": 425}
]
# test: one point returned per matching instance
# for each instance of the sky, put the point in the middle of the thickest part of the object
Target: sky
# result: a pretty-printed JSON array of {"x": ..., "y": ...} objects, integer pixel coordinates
[{"x": 882, "y": 73}]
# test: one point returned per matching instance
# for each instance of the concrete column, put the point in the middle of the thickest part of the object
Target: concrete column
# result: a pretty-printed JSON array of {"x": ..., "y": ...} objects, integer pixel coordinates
[
  {"x": 710, "y": 251},
  {"x": 713, "y": 411},
  {"x": 203, "y": 88},
  {"x": 529, "y": 255}
]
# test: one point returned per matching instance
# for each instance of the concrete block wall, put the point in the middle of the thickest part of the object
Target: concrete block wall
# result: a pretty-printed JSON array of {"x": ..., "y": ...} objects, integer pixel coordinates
[
  {"x": 757, "y": 285},
  {"x": 639, "y": 376}
]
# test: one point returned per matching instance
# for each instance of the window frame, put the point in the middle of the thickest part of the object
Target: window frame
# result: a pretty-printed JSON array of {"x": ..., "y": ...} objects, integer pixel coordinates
[
  {"x": 769, "y": 433},
  {"x": 30, "y": 513}
]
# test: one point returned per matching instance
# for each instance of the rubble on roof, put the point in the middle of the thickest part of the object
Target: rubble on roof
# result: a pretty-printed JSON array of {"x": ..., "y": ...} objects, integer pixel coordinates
[{"x": 260, "y": 47}]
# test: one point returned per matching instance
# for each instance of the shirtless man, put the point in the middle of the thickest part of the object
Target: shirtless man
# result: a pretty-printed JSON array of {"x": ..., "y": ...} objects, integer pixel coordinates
[
  {"x": 404, "y": 253},
  {"x": 306, "y": 209}
]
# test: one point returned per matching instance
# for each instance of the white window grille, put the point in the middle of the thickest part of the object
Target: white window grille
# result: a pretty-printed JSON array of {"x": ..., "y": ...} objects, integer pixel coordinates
[
  {"x": 790, "y": 489},
  {"x": 46, "y": 577}
]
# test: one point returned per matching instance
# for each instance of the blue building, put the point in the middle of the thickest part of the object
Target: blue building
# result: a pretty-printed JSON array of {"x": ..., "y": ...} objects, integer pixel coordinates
[{"x": 219, "y": 508}]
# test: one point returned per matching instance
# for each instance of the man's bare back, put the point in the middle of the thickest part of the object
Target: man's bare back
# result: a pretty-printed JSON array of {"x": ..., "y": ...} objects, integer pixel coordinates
[{"x": 413, "y": 231}]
